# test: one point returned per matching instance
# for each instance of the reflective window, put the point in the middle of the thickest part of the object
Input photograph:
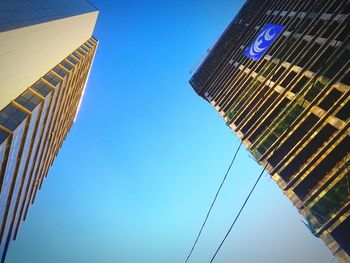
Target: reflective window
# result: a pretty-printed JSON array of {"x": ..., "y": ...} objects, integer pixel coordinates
[
  {"x": 2, "y": 152},
  {"x": 322, "y": 60},
  {"x": 66, "y": 65},
  {"x": 277, "y": 129},
  {"x": 291, "y": 75},
  {"x": 91, "y": 42},
  {"x": 42, "y": 88},
  {"x": 76, "y": 54},
  {"x": 338, "y": 63},
  {"x": 41, "y": 145},
  {"x": 10, "y": 167},
  {"x": 335, "y": 198},
  {"x": 71, "y": 59},
  {"x": 278, "y": 73},
  {"x": 30, "y": 164},
  {"x": 52, "y": 79},
  {"x": 300, "y": 84},
  {"x": 60, "y": 71},
  {"x": 28, "y": 100},
  {"x": 94, "y": 40},
  {"x": 85, "y": 49},
  {"x": 3, "y": 135},
  {"x": 89, "y": 46},
  {"x": 344, "y": 113},
  {"x": 346, "y": 79},
  {"x": 11, "y": 117},
  {"x": 314, "y": 91},
  {"x": 82, "y": 51},
  {"x": 19, "y": 177},
  {"x": 330, "y": 99},
  {"x": 341, "y": 235}
]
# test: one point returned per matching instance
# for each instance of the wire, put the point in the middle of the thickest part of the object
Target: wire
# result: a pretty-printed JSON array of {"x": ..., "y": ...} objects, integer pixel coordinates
[
  {"x": 239, "y": 213},
  {"x": 253, "y": 188},
  {"x": 213, "y": 202}
]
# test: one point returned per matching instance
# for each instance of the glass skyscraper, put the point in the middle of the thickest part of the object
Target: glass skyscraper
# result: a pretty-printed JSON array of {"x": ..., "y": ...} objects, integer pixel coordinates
[
  {"x": 279, "y": 77},
  {"x": 46, "y": 54}
]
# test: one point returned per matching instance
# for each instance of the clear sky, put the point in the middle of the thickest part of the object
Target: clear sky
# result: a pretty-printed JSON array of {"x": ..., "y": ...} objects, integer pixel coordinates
[{"x": 136, "y": 175}]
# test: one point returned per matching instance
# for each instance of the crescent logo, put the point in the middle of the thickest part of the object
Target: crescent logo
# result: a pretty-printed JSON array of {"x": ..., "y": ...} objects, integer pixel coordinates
[{"x": 263, "y": 41}]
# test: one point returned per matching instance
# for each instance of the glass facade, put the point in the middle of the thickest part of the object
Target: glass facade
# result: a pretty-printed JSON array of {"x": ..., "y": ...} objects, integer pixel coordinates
[
  {"x": 27, "y": 176},
  {"x": 10, "y": 175},
  {"x": 291, "y": 107},
  {"x": 8, "y": 220},
  {"x": 32, "y": 128}
]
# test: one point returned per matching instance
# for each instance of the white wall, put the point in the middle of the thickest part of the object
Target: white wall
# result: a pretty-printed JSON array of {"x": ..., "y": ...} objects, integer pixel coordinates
[{"x": 30, "y": 52}]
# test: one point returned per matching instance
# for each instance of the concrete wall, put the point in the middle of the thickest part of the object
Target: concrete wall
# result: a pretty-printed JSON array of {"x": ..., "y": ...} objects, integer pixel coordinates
[{"x": 27, "y": 53}]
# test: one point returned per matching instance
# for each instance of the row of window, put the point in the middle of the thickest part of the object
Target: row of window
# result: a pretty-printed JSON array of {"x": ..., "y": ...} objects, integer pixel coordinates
[
  {"x": 23, "y": 128},
  {"x": 296, "y": 53}
]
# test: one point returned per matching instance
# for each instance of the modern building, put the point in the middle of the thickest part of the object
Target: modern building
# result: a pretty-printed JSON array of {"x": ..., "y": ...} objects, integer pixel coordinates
[
  {"x": 46, "y": 53},
  {"x": 279, "y": 77}
]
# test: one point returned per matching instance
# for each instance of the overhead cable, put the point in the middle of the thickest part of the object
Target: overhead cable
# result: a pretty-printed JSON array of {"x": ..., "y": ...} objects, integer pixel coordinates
[
  {"x": 239, "y": 213},
  {"x": 213, "y": 202}
]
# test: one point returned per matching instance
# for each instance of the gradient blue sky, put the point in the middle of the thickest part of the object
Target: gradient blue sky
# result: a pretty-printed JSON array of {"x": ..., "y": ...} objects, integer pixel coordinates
[{"x": 139, "y": 169}]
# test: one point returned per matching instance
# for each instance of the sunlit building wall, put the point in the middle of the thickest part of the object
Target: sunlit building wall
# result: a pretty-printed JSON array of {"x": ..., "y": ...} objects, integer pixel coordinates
[
  {"x": 291, "y": 107},
  {"x": 46, "y": 53}
]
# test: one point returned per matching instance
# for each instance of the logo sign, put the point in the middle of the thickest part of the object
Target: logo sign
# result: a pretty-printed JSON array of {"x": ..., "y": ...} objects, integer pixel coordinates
[{"x": 266, "y": 37}]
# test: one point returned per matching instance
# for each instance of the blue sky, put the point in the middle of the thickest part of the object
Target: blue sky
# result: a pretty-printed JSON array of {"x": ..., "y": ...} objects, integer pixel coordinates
[{"x": 136, "y": 175}]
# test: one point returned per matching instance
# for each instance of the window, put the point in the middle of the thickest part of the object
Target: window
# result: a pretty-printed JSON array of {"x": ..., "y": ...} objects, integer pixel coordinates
[
  {"x": 71, "y": 59},
  {"x": 346, "y": 79},
  {"x": 11, "y": 117},
  {"x": 300, "y": 84},
  {"x": 81, "y": 50},
  {"x": 277, "y": 74},
  {"x": 344, "y": 113},
  {"x": 334, "y": 198},
  {"x": 330, "y": 99},
  {"x": 76, "y": 54},
  {"x": 321, "y": 62},
  {"x": 28, "y": 100},
  {"x": 269, "y": 68},
  {"x": 261, "y": 65},
  {"x": 288, "y": 79},
  {"x": 60, "y": 71},
  {"x": 306, "y": 57},
  {"x": 3, "y": 136},
  {"x": 51, "y": 79},
  {"x": 279, "y": 127},
  {"x": 341, "y": 235},
  {"x": 41, "y": 88},
  {"x": 332, "y": 27},
  {"x": 316, "y": 27},
  {"x": 297, "y": 51},
  {"x": 338, "y": 63},
  {"x": 314, "y": 91},
  {"x": 85, "y": 49}
]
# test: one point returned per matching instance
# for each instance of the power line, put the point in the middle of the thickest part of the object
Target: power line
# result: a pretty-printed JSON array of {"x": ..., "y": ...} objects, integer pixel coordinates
[
  {"x": 259, "y": 177},
  {"x": 213, "y": 202},
  {"x": 239, "y": 213},
  {"x": 252, "y": 190}
]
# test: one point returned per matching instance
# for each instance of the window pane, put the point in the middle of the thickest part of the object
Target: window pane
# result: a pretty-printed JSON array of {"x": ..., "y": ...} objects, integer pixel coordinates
[{"x": 10, "y": 168}]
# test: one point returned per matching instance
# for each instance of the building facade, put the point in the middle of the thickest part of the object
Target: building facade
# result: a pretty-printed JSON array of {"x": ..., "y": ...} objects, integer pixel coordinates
[
  {"x": 46, "y": 54},
  {"x": 279, "y": 77}
]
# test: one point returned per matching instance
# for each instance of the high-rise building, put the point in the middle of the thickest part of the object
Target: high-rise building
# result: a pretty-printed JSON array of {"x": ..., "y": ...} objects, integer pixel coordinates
[
  {"x": 46, "y": 53},
  {"x": 279, "y": 77}
]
